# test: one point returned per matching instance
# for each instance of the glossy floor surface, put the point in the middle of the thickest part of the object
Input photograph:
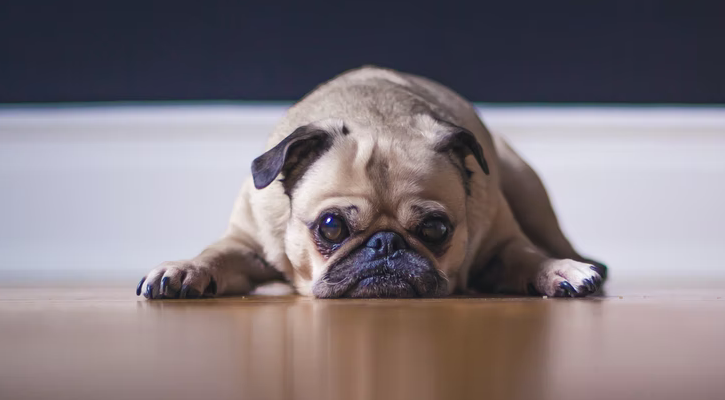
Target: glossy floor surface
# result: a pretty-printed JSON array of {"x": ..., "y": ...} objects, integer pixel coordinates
[{"x": 105, "y": 343}]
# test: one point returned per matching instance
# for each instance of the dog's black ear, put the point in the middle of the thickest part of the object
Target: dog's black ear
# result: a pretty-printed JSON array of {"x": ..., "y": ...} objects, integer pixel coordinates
[
  {"x": 291, "y": 157},
  {"x": 462, "y": 142}
]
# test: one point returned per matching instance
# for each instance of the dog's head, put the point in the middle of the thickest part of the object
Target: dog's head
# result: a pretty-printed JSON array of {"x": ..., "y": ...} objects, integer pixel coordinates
[{"x": 375, "y": 212}]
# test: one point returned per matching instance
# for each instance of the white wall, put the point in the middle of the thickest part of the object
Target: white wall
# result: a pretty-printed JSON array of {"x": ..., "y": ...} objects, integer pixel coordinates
[{"x": 111, "y": 191}]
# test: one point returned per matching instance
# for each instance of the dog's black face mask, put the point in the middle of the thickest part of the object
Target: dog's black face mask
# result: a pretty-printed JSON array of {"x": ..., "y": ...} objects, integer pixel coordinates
[{"x": 385, "y": 266}]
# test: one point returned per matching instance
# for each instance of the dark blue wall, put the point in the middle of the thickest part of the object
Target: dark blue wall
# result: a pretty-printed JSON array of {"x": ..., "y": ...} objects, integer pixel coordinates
[{"x": 511, "y": 51}]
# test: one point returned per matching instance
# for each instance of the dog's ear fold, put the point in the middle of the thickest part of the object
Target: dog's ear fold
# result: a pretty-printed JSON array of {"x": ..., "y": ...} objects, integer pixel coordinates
[
  {"x": 462, "y": 142},
  {"x": 290, "y": 157}
]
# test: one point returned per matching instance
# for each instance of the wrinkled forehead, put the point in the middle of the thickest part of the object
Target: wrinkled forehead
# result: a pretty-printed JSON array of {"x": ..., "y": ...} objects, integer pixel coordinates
[{"x": 381, "y": 175}]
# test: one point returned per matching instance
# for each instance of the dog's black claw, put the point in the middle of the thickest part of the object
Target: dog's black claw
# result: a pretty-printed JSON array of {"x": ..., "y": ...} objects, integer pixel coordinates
[
  {"x": 600, "y": 269},
  {"x": 211, "y": 289},
  {"x": 149, "y": 292},
  {"x": 188, "y": 292},
  {"x": 599, "y": 282},
  {"x": 532, "y": 290},
  {"x": 139, "y": 286},
  {"x": 589, "y": 285},
  {"x": 164, "y": 284},
  {"x": 192, "y": 293},
  {"x": 568, "y": 289}
]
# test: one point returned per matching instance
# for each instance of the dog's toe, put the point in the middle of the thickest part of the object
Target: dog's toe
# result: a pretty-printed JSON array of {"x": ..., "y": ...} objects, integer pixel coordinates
[
  {"x": 566, "y": 290},
  {"x": 151, "y": 284},
  {"x": 178, "y": 280},
  {"x": 568, "y": 278},
  {"x": 140, "y": 286}
]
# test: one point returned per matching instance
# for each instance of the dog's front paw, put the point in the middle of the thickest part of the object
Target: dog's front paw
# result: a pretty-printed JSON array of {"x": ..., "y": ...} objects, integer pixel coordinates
[
  {"x": 178, "y": 280},
  {"x": 568, "y": 278}
]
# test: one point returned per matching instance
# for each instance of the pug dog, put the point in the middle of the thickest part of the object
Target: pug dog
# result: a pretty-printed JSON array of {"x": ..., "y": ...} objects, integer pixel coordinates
[{"x": 380, "y": 183}]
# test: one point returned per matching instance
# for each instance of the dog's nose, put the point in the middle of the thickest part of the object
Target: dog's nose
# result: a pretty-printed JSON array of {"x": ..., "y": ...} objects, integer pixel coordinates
[{"x": 386, "y": 243}]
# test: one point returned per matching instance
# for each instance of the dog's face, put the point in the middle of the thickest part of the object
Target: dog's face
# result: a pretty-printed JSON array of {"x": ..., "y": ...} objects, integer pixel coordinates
[{"x": 375, "y": 213}]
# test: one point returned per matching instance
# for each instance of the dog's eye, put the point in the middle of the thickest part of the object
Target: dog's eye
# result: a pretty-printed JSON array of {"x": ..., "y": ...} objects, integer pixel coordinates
[
  {"x": 433, "y": 230},
  {"x": 333, "y": 228}
]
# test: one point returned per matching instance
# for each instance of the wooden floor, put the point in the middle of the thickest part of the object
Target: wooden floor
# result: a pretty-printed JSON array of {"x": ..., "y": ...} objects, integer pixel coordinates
[{"x": 104, "y": 343}]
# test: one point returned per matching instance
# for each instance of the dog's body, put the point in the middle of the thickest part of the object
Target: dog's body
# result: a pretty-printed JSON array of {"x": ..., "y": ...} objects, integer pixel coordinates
[{"x": 390, "y": 186}]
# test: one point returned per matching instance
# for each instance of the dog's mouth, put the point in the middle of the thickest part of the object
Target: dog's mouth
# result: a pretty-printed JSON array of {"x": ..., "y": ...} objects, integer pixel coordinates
[
  {"x": 404, "y": 276},
  {"x": 382, "y": 284}
]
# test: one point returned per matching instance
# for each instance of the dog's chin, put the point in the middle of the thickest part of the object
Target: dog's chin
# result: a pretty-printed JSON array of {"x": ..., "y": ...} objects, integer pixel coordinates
[
  {"x": 404, "y": 275},
  {"x": 382, "y": 285}
]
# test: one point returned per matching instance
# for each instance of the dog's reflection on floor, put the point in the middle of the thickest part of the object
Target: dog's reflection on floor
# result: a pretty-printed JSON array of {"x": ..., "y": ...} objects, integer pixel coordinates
[{"x": 388, "y": 349}]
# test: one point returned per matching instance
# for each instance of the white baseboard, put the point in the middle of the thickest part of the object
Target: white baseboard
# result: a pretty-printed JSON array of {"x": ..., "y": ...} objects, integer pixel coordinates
[{"x": 114, "y": 190}]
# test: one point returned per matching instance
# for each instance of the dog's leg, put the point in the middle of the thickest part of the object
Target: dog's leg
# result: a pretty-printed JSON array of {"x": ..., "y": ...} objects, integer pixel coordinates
[
  {"x": 515, "y": 265},
  {"x": 233, "y": 265},
  {"x": 228, "y": 266},
  {"x": 523, "y": 269},
  {"x": 531, "y": 207}
]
